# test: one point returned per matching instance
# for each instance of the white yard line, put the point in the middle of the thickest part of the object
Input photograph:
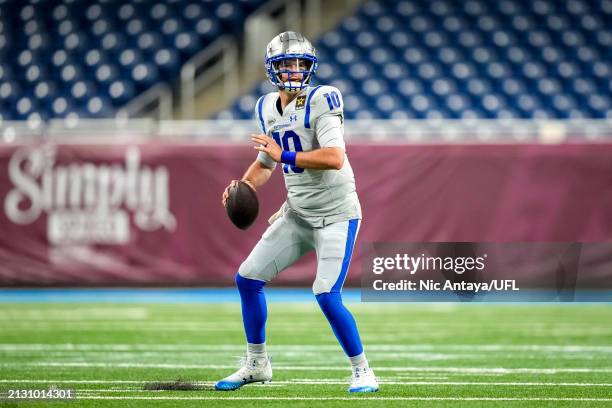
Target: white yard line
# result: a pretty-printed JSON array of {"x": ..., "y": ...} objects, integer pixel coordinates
[
  {"x": 461, "y": 383},
  {"x": 355, "y": 398},
  {"x": 80, "y": 313},
  {"x": 30, "y": 381},
  {"x": 142, "y": 382},
  {"x": 294, "y": 357},
  {"x": 330, "y": 381},
  {"x": 305, "y": 347},
  {"x": 471, "y": 370}
]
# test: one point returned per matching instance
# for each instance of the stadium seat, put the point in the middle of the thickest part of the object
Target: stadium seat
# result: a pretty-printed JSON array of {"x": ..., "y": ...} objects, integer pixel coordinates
[
  {"x": 87, "y": 58},
  {"x": 473, "y": 59}
]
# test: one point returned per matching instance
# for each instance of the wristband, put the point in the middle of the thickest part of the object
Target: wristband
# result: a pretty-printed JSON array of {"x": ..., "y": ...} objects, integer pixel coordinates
[{"x": 288, "y": 157}]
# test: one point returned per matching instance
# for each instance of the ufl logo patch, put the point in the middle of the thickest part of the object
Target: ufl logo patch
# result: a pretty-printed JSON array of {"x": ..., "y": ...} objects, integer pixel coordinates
[{"x": 300, "y": 102}]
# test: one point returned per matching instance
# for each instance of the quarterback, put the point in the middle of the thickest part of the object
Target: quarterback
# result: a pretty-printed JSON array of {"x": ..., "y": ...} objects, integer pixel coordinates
[{"x": 301, "y": 130}]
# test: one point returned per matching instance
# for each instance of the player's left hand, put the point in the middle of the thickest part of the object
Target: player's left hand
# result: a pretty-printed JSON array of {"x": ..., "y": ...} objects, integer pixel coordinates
[{"x": 266, "y": 144}]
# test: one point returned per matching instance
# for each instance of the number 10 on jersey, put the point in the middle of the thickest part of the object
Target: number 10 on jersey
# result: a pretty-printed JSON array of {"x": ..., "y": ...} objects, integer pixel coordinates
[{"x": 284, "y": 142}]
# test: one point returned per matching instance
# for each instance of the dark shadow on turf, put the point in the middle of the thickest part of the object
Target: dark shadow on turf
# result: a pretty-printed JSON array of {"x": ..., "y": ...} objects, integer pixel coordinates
[{"x": 177, "y": 385}]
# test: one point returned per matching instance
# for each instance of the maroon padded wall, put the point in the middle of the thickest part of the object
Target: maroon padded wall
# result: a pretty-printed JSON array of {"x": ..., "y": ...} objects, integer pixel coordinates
[{"x": 151, "y": 214}]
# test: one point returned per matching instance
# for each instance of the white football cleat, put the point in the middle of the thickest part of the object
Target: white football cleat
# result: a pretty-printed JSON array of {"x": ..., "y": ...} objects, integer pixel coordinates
[
  {"x": 251, "y": 370},
  {"x": 363, "y": 380}
]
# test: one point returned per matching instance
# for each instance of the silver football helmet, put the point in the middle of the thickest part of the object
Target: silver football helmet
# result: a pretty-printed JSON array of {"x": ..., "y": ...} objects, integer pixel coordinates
[{"x": 291, "y": 61}]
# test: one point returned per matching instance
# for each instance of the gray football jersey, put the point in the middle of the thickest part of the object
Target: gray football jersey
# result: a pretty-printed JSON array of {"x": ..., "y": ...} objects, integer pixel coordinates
[{"x": 314, "y": 119}]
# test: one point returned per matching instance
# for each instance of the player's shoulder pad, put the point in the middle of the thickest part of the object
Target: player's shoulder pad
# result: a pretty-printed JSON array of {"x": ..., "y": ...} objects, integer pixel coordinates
[
  {"x": 261, "y": 109},
  {"x": 322, "y": 99}
]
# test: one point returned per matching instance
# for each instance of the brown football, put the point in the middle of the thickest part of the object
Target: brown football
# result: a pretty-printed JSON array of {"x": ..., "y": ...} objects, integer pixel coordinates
[{"x": 242, "y": 205}]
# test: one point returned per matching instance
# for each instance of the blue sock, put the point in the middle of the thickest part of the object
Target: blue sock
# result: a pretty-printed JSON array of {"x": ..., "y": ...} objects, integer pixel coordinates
[
  {"x": 342, "y": 322},
  {"x": 254, "y": 311}
]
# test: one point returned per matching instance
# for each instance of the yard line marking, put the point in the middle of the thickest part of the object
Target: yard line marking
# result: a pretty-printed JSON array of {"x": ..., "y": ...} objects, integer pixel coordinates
[
  {"x": 142, "y": 382},
  {"x": 467, "y": 383},
  {"x": 30, "y": 381},
  {"x": 286, "y": 357},
  {"x": 93, "y": 391},
  {"x": 333, "y": 381},
  {"x": 406, "y": 383},
  {"x": 295, "y": 357},
  {"x": 355, "y": 398},
  {"x": 304, "y": 347},
  {"x": 474, "y": 370},
  {"x": 80, "y": 314}
]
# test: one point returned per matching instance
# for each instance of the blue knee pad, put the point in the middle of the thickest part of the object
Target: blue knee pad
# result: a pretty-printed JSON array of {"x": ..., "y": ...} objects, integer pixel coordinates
[
  {"x": 342, "y": 322},
  {"x": 254, "y": 310}
]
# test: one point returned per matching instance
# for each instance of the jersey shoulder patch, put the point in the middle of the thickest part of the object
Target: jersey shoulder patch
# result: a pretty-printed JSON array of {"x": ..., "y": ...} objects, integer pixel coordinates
[
  {"x": 262, "y": 109},
  {"x": 322, "y": 99}
]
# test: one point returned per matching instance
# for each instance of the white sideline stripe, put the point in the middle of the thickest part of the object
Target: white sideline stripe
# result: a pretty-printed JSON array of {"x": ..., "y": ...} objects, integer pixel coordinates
[
  {"x": 302, "y": 347},
  {"x": 406, "y": 383},
  {"x": 323, "y": 355},
  {"x": 332, "y": 381},
  {"x": 294, "y": 357},
  {"x": 442, "y": 383},
  {"x": 310, "y": 358},
  {"x": 475, "y": 370},
  {"x": 81, "y": 314},
  {"x": 355, "y": 398},
  {"x": 30, "y": 381},
  {"x": 93, "y": 391},
  {"x": 408, "y": 336}
]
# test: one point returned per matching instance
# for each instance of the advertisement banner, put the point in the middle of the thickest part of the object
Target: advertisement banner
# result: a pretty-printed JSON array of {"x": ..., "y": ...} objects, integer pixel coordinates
[{"x": 150, "y": 214}]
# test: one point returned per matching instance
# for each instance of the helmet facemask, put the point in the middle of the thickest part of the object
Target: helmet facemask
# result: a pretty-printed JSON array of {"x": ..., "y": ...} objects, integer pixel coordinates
[{"x": 291, "y": 72}]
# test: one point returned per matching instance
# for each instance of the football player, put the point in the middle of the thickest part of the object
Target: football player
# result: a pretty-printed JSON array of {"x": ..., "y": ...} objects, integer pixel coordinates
[{"x": 302, "y": 132}]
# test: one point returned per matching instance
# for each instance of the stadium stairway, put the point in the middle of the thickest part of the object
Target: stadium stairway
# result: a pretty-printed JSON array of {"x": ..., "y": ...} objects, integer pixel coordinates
[{"x": 249, "y": 74}]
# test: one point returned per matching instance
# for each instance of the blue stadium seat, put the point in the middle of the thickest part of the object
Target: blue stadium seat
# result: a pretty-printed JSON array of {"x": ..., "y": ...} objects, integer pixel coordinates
[
  {"x": 472, "y": 59},
  {"x": 135, "y": 26},
  {"x": 107, "y": 73},
  {"x": 187, "y": 42},
  {"x": 82, "y": 91},
  {"x": 10, "y": 91},
  {"x": 168, "y": 61},
  {"x": 25, "y": 107},
  {"x": 45, "y": 92},
  {"x": 70, "y": 73},
  {"x": 230, "y": 15},
  {"x": 87, "y": 58},
  {"x": 208, "y": 28},
  {"x": 129, "y": 57},
  {"x": 99, "y": 107},
  {"x": 96, "y": 57},
  {"x": 145, "y": 74},
  {"x": 478, "y": 58},
  {"x": 119, "y": 92}
]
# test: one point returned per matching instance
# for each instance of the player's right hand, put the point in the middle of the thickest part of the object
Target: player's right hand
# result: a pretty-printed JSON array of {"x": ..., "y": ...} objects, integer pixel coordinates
[
  {"x": 232, "y": 184},
  {"x": 226, "y": 192}
]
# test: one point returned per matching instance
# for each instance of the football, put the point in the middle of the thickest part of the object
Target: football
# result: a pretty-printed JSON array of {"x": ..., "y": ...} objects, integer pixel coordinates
[{"x": 242, "y": 205}]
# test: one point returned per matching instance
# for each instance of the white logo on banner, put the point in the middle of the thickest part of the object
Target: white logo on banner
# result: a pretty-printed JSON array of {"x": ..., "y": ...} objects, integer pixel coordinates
[{"x": 85, "y": 202}]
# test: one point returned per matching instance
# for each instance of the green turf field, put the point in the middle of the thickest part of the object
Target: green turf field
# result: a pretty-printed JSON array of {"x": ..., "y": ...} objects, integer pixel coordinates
[{"x": 424, "y": 355}]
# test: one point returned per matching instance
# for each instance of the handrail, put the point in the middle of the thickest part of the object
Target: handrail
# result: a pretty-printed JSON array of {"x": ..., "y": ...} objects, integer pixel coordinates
[
  {"x": 159, "y": 96},
  {"x": 204, "y": 68},
  {"x": 377, "y": 131},
  {"x": 274, "y": 17}
]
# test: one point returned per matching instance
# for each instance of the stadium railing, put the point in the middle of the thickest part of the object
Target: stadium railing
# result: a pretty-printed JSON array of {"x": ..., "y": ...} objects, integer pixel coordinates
[{"x": 360, "y": 131}]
